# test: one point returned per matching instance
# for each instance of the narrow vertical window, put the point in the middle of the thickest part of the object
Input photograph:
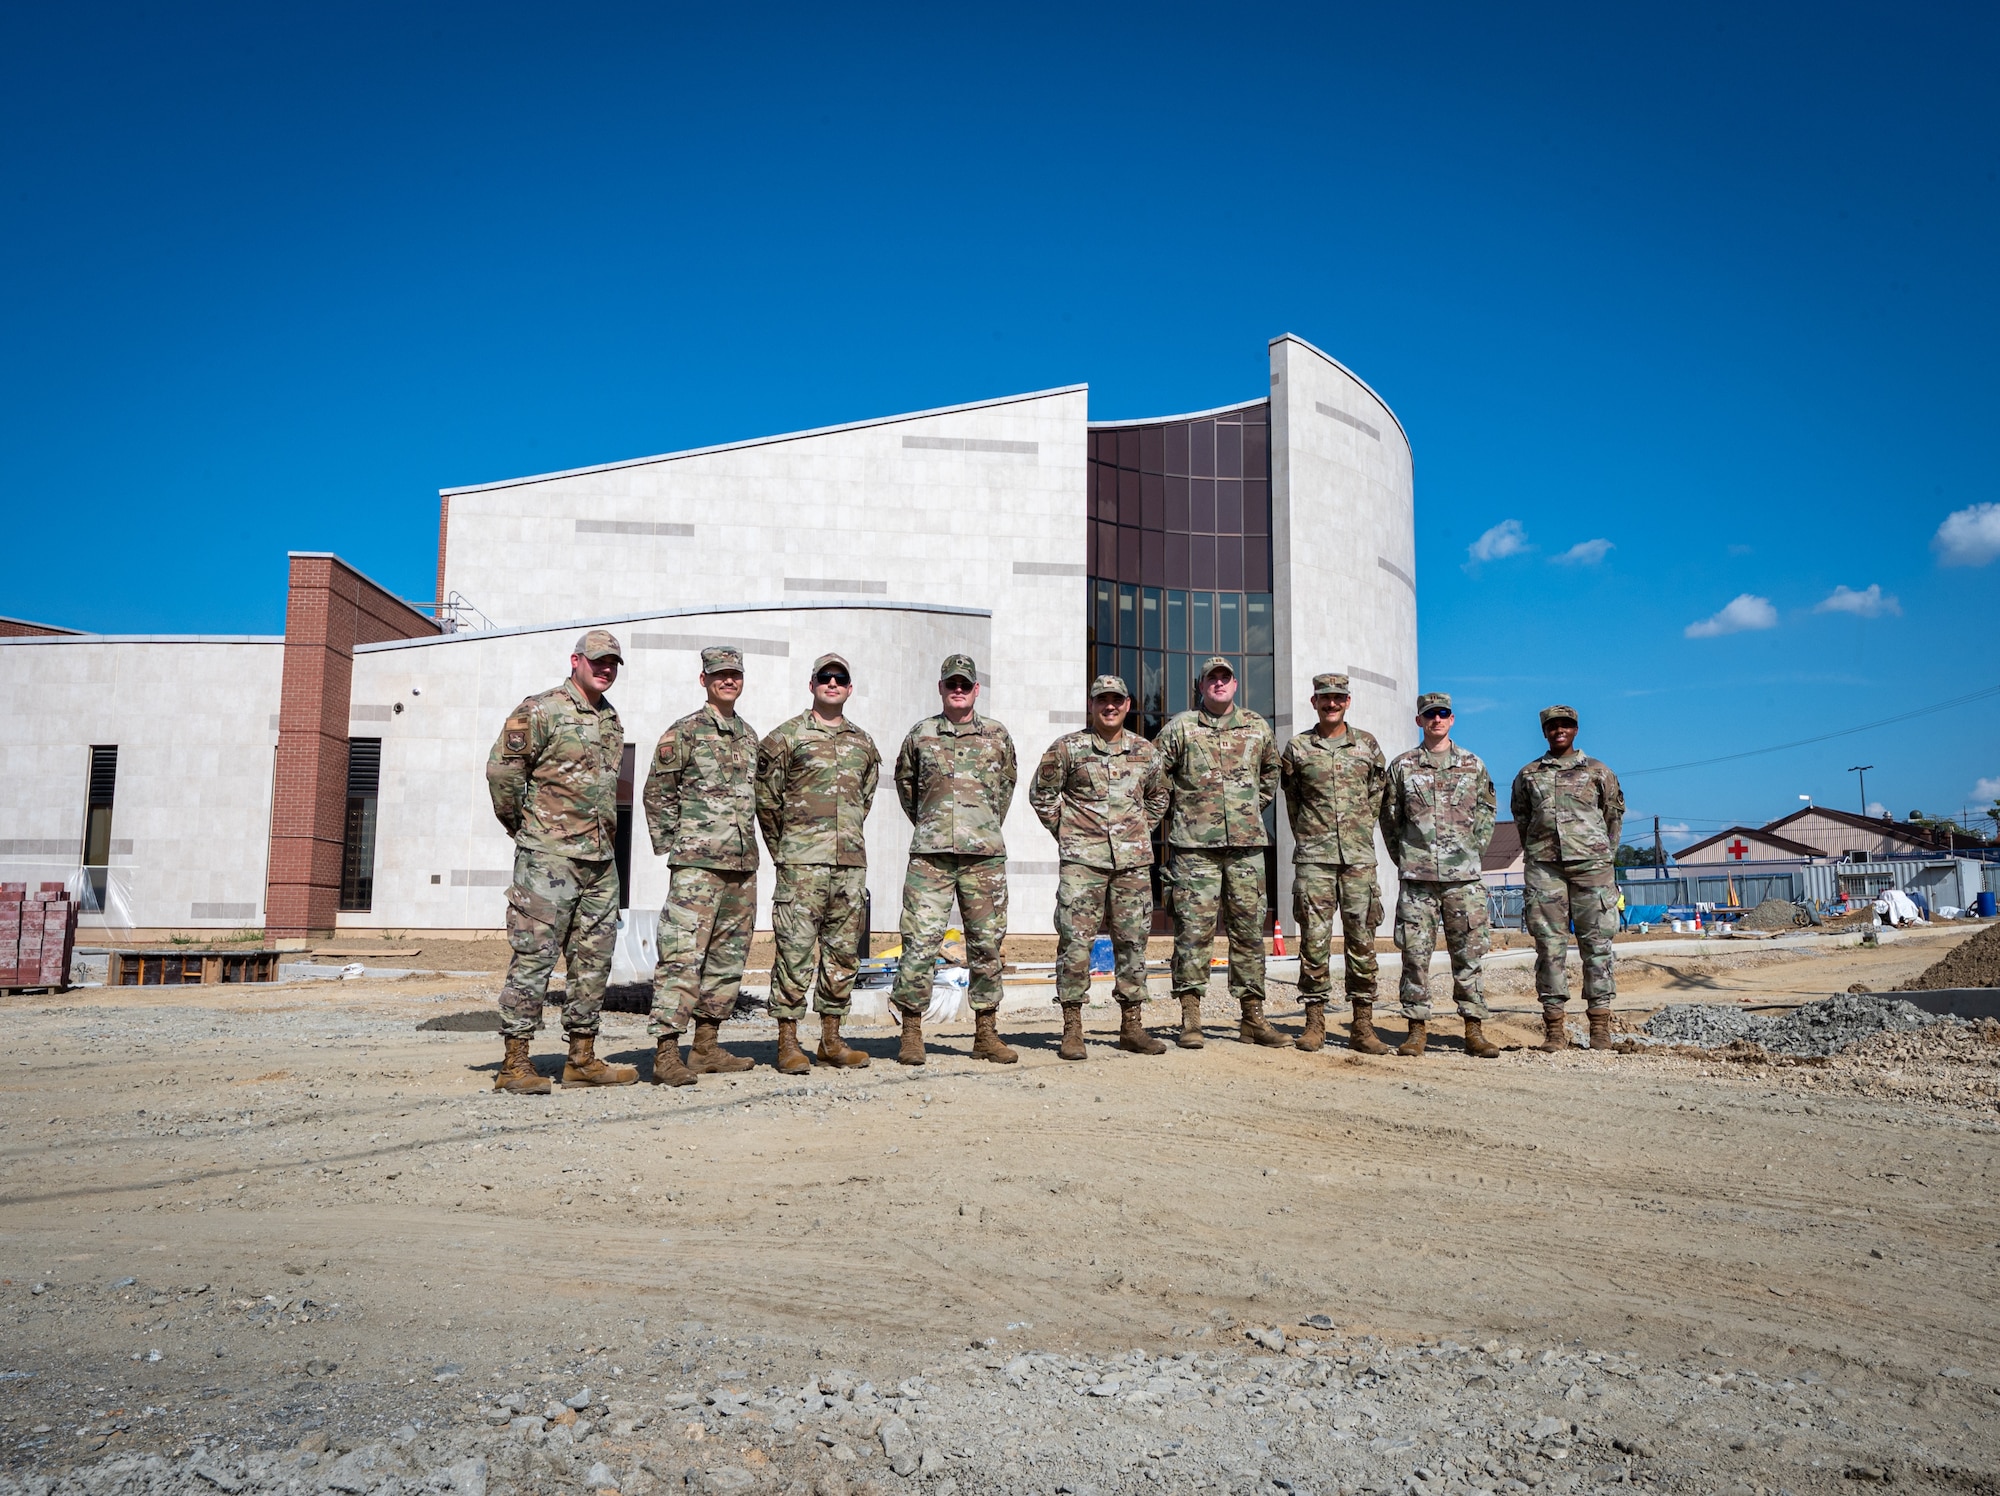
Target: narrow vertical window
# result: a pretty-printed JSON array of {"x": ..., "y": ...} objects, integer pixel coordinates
[
  {"x": 621, "y": 839},
  {"x": 103, "y": 789},
  {"x": 357, "y": 856}
]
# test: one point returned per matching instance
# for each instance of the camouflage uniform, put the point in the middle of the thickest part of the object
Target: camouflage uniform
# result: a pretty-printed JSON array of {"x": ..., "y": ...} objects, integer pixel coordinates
[
  {"x": 955, "y": 783},
  {"x": 1101, "y": 801},
  {"x": 701, "y": 809},
  {"x": 815, "y": 782},
  {"x": 1333, "y": 797},
  {"x": 1437, "y": 817},
  {"x": 1221, "y": 772},
  {"x": 1570, "y": 811},
  {"x": 553, "y": 776}
]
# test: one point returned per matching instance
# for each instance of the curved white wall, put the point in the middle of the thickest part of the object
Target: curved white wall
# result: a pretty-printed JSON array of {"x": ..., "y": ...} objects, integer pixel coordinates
[{"x": 1343, "y": 537}]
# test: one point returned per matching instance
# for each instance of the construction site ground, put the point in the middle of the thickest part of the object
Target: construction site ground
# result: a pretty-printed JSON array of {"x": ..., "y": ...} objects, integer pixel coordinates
[{"x": 277, "y": 1239}]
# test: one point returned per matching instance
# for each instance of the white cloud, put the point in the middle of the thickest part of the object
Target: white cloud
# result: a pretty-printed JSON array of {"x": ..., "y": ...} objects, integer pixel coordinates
[
  {"x": 1743, "y": 613},
  {"x": 1968, "y": 537},
  {"x": 1871, "y": 602},
  {"x": 1987, "y": 789},
  {"x": 1507, "y": 538},
  {"x": 1583, "y": 553},
  {"x": 1877, "y": 809}
]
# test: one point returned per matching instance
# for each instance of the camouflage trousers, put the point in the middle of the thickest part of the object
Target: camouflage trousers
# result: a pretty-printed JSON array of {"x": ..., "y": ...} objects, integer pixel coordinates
[
  {"x": 815, "y": 905},
  {"x": 704, "y": 940},
  {"x": 1321, "y": 893},
  {"x": 558, "y": 906},
  {"x": 1225, "y": 885},
  {"x": 1461, "y": 909},
  {"x": 931, "y": 882},
  {"x": 1557, "y": 898},
  {"x": 1090, "y": 899}
]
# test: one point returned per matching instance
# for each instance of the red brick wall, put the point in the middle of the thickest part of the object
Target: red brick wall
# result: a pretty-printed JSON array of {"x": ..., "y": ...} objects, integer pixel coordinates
[
  {"x": 20, "y": 628},
  {"x": 329, "y": 608}
]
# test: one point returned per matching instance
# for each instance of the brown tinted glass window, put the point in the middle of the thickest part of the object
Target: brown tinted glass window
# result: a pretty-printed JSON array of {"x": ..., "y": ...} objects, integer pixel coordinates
[
  {"x": 1177, "y": 448},
  {"x": 1152, "y": 450},
  {"x": 1228, "y": 450},
  {"x": 1201, "y": 449}
]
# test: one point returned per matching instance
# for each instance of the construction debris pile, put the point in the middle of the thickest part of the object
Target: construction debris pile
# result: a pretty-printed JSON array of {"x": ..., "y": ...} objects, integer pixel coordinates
[
  {"x": 1976, "y": 963},
  {"x": 1772, "y": 914},
  {"x": 1822, "y": 1028}
]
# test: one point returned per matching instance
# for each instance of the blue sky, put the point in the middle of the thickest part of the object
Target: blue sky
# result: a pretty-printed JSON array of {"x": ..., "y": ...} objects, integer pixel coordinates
[{"x": 1711, "y": 285}]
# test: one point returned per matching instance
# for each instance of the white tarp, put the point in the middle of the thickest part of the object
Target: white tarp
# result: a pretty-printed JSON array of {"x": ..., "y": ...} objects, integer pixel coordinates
[{"x": 1894, "y": 907}]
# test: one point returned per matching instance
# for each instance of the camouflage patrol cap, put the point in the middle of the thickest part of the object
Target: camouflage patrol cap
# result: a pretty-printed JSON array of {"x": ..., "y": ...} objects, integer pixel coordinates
[
  {"x": 959, "y": 665},
  {"x": 1558, "y": 714},
  {"x": 832, "y": 659},
  {"x": 1214, "y": 663},
  {"x": 1330, "y": 685},
  {"x": 1433, "y": 699},
  {"x": 1108, "y": 685},
  {"x": 719, "y": 657},
  {"x": 598, "y": 644}
]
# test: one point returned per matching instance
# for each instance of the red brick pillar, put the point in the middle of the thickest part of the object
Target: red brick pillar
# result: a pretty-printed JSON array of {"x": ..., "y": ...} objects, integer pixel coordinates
[{"x": 329, "y": 609}]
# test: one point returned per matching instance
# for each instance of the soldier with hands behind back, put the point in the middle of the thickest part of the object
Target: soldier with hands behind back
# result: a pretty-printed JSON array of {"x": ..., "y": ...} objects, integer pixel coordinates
[
  {"x": 553, "y": 778},
  {"x": 1221, "y": 766},
  {"x": 1334, "y": 777},
  {"x": 701, "y": 810},
  {"x": 955, "y": 778},
  {"x": 1570, "y": 811},
  {"x": 1437, "y": 818},
  {"x": 1100, "y": 793},
  {"x": 816, "y": 778}
]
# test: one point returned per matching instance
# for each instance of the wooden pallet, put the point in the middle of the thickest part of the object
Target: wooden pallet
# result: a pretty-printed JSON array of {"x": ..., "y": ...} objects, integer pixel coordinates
[{"x": 184, "y": 968}]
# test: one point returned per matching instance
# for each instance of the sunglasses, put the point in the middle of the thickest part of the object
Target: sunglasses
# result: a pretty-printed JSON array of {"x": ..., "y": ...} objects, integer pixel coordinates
[
  {"x": 1437, "y": 714},
  {"x": 830, "y": 678},
  {"x": 1334, "y": 696},
  {"x": 959, "y": 683}
]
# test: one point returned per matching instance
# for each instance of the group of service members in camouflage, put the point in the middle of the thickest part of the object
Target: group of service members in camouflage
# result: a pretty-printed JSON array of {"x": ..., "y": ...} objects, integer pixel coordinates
[{"x": 712, "y": 788}]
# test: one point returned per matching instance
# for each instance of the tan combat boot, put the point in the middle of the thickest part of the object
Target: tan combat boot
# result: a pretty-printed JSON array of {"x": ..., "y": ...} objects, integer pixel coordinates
[
  {"x": 1072, "y": 1039},
  {"x": 1413, "y": 1046},
  {"x": 834, "y": 1050},
  {"x": 584, "y": 1068},
  {"x": 1363, "y": 1037},
  {"x": 1600, "y": 1028},
  {"x": 1190, "y": 1021},
  {"x": 911, "y": 1050},
  {"x": 667, "y": 1067},
  {"x": 986, "y": 1043},
  {"x": 1132, "y": 1035},
  {"x": 706, "y": 1056},
  {"x": 1476, "y": 1043},
  {"x": 1253, "y": 1029},
  {"x": 516, "y": 1074},
  {"x": 1555, "y": 1038},
  {"x": 791, "y": 1059},
  {"x": 1315, "y": 1035}
]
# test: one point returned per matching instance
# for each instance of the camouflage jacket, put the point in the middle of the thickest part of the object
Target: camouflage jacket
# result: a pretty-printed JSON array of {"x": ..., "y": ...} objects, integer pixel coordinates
[
  {"x": 1569, "y": 809},
  {"x": 1101, "y": 800},
  {"x": 553, "y": 774},
  {"x": 1333, "y": 795},
  {"x": 1437, "y": 814},
  {"x": 701, "y": 793},
  {"x": 955, "y": 784},
  {"x": 814, "y": 786},
  {"x": 1223, "y": 771}
]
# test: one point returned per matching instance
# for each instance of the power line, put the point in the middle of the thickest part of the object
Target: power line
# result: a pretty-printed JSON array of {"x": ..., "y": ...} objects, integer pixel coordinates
[{"x": 1922, "y": 711}]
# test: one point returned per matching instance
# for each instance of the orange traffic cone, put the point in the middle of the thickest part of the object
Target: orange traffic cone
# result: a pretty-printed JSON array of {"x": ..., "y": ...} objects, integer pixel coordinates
[{"x": 1277, "y": 936}]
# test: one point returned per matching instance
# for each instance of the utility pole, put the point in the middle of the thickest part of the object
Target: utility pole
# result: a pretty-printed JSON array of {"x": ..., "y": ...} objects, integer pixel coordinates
[
  {"x": 1862, "y": 770},
  {"x": 1659, "y": 856}
]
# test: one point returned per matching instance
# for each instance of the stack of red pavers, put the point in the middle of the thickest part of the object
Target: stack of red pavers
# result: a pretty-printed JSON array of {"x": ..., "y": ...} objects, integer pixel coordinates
[{"x": 37, "y": 935}]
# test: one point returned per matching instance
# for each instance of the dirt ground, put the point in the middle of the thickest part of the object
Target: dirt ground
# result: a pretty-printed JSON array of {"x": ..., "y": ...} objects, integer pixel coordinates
[{"x": 232, "y": 1216}]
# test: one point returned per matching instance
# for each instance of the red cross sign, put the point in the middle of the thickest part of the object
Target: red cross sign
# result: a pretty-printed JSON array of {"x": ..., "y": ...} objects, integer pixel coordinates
[{"x": 1737, "y": 849}]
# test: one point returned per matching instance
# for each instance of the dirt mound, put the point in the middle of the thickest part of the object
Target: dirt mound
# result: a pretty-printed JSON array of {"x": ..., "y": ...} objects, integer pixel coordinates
[
  {"x": 470, "y": 1021},
  {"x": 1976, "y": 963},
  {"x": 1773, "y": 914}
]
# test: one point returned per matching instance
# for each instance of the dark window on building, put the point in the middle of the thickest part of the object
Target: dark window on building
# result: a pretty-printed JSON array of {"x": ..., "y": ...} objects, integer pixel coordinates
[
  {"x": 101, "y": 791},
  {"x": 357, "y": 854},
  {"x": 1184, "y": 572},
  {"x": 621, "y": 839}
]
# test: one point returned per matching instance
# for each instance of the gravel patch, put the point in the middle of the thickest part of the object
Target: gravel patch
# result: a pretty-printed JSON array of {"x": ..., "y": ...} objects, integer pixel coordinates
[{"x": 1822, "y": 1028}]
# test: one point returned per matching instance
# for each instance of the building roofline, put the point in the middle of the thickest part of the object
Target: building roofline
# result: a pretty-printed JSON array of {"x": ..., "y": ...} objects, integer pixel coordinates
[
  {"x": 467, "y": 636},
  {"x": 388, "y": 592},
  {"x": 1784, "y": 842},
  {"x": 29, "y": 623},
  {"x": 766, "y": 441},
  {"x": 1189, "y": 415},
  {"x": 1292, "y": 337},
  {"x": 1861, "y": 823},
  {"x": 82, "y": 638}
]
